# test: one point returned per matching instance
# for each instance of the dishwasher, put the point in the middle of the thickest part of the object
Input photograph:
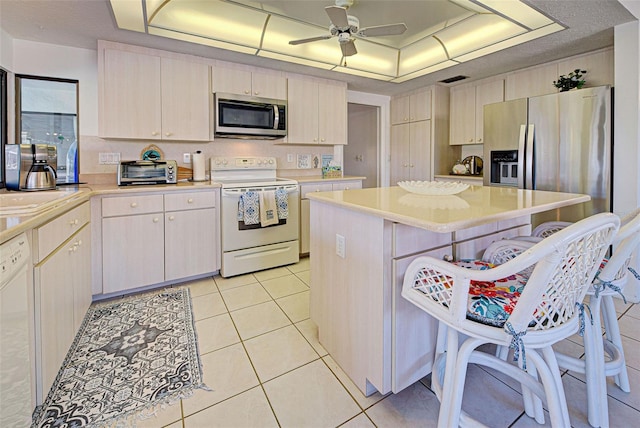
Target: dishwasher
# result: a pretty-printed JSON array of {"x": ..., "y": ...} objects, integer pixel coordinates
[{"x": 15, "y": 363}]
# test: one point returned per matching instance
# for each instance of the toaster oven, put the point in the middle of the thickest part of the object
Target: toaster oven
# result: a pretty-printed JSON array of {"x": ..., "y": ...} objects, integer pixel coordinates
[{"x": 147, "y": 172}]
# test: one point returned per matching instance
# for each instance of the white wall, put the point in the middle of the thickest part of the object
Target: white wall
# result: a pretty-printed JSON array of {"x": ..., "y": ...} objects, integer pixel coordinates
[
  {"x": 41, "y": 59},
  {"x": 626, "y": 174}
]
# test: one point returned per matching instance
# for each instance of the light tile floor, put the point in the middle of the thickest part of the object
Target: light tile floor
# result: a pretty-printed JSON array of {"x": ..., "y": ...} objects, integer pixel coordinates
[{"x": 263, "y": 362}]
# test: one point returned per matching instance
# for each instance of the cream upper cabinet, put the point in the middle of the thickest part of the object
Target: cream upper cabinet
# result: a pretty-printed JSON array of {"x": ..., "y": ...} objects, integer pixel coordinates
[
  {"x": 246, "y": 82},
  {"x": 317, "y": 113},
  {"x": 411, "y": 107},
  {"x": 467, "y": 104},
  {"x": 153, "y": 98},
  {"x": 531, "y": 82},
  {"x": 185, "y": 100}
]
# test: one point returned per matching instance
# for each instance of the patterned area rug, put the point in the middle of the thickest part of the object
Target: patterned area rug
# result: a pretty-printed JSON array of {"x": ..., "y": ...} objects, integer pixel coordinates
[{"x": 131, "y": 356}]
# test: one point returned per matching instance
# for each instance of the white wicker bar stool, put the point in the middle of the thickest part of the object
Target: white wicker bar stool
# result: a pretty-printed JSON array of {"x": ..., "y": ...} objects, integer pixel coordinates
[
  {"x": 547, "y": 309},
  {"x": 609, "y": 282}
]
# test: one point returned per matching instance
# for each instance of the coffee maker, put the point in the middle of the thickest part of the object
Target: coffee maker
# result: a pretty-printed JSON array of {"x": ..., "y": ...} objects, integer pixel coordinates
[{"x": 31, "y": 167}]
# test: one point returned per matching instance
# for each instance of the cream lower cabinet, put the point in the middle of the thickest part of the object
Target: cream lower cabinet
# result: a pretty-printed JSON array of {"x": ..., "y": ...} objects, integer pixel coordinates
[
  {"x": 304, "y": 204},
  {"x": 411, "y": 151},
  {"x": 62, "y": 290},
  {"x": 191, "y": 234},
  {"x": 149, "y": 239}
]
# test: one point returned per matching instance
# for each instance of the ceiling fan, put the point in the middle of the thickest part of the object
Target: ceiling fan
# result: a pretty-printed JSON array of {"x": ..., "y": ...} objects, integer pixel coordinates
[{"x": 346, "y": 28}]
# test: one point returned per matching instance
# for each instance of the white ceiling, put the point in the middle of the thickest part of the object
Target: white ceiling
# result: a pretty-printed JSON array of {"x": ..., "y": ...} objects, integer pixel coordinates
[{"x": 80, "y": 23}]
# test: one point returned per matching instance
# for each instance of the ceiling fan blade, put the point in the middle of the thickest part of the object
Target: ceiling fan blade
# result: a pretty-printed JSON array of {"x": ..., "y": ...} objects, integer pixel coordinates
[
  {"x": 310, "y": 39},
  {"x": 383, "y": 30},
  {"x": 338, "y": 16},
  {"x": 348, "y": 48}
]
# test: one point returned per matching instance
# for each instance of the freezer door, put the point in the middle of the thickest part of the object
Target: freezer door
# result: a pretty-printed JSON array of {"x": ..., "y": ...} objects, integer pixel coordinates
[
  {"x": 542, "y": 164},
  {"x": 501, "y": 130}
]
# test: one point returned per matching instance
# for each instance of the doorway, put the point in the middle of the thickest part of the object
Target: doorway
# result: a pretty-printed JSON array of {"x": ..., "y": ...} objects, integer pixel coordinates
[
  {"x": 361, "y": 152},
  {"x": 366, "y": 152}
]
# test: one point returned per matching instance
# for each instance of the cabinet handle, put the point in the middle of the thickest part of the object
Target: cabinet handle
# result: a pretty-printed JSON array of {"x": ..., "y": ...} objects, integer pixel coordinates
[
  {"x": 471, "y": 140},
  {"x": 156, "y": 219},
  {"x": 168, "y": 134},
  {"x": 190, "y": 200},
  {"x": 134, "y": 204},
  {"x": 346, "y": 188},
  {"x": 257, "y": 92},
  {"x": 479, "y": 140},
  {"x": 247, "y": 92},
  {"x": 322, "y": 140},
  {"x": 171, "y": 218},
  {"x": 73, "y": 222},
  {"x": 405, "y": 165},
  {"x": 79, "y": 242},
  {"x": 155, "y": 133},
  {"x": 315, "y": 140}
]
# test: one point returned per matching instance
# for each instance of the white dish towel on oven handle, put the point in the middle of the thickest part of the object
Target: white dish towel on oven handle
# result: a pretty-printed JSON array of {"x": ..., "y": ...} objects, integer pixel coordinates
[
  {"x": 268, "y": 208},
  {"x": 248, "y": 208},
  {"x": 282, "y": 200}
]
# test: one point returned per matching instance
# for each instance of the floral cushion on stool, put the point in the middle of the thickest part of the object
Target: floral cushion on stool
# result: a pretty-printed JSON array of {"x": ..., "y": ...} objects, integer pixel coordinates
[{"x": 491, "y": 302}]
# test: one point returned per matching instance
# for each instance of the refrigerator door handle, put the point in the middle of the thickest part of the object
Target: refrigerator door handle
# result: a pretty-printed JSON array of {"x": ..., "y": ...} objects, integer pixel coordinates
[
  {"x": 530, "y": 181},
  {"x": 521, "y": 155}
]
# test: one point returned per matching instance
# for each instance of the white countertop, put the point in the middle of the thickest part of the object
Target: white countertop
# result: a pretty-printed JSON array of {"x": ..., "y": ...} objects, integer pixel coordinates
[
  {"x": 12, "y": 224},
  {"x": 473, "y": 207}
]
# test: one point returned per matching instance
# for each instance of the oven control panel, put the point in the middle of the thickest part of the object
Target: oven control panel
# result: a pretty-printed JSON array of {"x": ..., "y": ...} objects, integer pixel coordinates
[{"x": 222, "y": 163}]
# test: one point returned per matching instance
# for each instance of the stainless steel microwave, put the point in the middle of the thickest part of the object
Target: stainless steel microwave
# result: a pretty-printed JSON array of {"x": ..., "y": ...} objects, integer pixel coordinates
[{"x": 240, "y": 116}]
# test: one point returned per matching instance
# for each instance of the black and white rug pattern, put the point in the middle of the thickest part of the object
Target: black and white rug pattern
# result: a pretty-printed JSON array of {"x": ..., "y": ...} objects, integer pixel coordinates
[{"x": 131, "y": 356}]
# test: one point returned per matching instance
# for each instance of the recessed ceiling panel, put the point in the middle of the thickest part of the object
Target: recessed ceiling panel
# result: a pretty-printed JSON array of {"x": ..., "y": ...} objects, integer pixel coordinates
[
  {"x": 440, "y": 33},
  {"x": 212, "y": 19}
]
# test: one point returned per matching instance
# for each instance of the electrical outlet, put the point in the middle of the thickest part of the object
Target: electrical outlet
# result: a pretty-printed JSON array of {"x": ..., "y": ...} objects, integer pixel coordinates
[
  {"x": 186, "y": 157},
  {"x": 340, "y": 246},
  {"x": 108, "y": 158}
]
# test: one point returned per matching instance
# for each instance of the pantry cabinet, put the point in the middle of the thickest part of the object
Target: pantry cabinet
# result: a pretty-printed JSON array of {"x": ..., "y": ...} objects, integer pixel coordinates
[
  {"x": 150, "y": 97},
  {"x": 410, "y": 151},
  {"x": 149, "y": 239},
  {"x": 317, "y": 112},
  {"x": 62, "y": 290},
  {"x": 325, "y": 186},
  {"x": 467, "y": 110},
  {"x": 411, "y": 107},
  {"x": 248, "y": 82}
]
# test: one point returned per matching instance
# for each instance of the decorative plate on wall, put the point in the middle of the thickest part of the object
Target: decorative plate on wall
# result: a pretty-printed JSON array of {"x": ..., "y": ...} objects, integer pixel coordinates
[{"x": 151, "y": 153}]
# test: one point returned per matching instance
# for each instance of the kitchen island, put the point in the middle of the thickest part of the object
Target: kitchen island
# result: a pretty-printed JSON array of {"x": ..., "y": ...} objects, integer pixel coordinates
[{"x": 361, "y": 244}]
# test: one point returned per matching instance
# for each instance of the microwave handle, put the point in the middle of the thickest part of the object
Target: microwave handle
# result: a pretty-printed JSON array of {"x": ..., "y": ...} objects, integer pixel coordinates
[{"x": 276, "y": 116}]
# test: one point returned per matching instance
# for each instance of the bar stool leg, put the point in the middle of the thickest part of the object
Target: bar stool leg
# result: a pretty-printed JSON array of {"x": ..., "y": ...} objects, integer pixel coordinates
[
  {"x": 598, "y": 412},
  {"x": 613, "y": 335}
]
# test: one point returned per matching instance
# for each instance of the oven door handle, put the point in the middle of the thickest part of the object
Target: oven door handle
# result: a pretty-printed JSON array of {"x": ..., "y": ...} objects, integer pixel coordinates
[{"x": 237, "y": 192}]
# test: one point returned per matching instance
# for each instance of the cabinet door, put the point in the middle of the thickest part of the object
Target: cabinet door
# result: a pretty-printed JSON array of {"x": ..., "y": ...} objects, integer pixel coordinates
[
  {"x": 486, "y": 93},
  {"x": 131, "y": 100},
  {"x": 400, "y": 109},
  {"x": 81, "y": 271},
  {"x": 420, "y": 105},
  {"x": 531, "y": 83},
  {"x": 132, "y": 251},
  {"x": 231, "y": 81},
  {"x": 56, "y": 327},
  {"x": 185, "y": 101},
  {"x": 332, "y": 110},
  {"x": 269, "y": 85},
  {"x": 190, "y": 243},
  {"x": 463, "y": 116},
  {"x": 302, "y": 112},
  {"x": 420, "y": 150},
  {"x": 400, "y": 153}
]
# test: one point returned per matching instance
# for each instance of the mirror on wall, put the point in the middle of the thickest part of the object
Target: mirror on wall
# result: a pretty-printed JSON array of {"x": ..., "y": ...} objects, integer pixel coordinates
[{"x": 47, "y": 113}]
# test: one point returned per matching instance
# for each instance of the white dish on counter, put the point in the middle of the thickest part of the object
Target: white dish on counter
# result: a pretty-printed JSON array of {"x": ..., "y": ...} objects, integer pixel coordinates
[{"x": 433, "y": 187}]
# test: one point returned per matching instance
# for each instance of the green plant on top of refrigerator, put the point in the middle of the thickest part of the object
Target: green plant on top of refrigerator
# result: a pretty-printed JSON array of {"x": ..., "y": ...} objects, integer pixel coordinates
[{"x": 570, "y": 81}]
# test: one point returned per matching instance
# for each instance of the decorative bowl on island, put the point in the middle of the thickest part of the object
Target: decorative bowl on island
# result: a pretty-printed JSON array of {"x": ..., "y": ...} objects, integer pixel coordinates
[{"x": 433, "y": 187}]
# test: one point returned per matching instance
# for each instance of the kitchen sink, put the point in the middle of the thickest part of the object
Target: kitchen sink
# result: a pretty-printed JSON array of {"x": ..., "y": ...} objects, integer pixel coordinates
[{"x": 25, "y": 203}]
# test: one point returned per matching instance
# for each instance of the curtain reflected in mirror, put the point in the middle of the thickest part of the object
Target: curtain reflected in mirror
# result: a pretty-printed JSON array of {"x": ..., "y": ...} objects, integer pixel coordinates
[{"x": 47, "y": 113}]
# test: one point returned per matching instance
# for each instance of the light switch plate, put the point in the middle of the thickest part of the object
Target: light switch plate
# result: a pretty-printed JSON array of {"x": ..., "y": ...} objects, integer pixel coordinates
[{"x": 340, "y": 245}]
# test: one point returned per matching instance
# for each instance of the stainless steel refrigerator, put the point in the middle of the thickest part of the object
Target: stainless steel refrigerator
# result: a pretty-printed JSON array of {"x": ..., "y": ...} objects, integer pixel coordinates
[{"x": 560, "y": 142}]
